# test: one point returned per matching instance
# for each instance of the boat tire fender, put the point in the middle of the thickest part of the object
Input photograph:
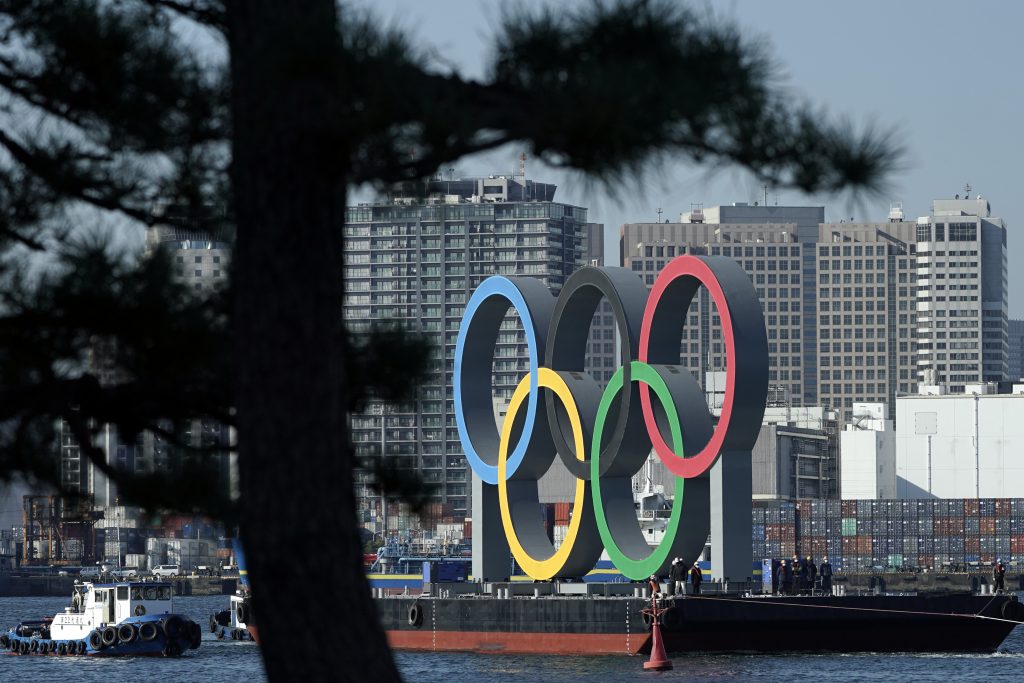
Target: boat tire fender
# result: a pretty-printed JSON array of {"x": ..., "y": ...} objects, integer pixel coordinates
[
  {"x": 172, "y": 649},
  {"x": 109, "y": 636},
  {"x": 126, "y": 633},
  {"x": 195, "y": 633},
  {"x": 172, "y": 627},
  {"x": 96, "y": 640},
  {"x": 242, "y": 612},
  {"x": 24, "y": 647},
  {"x": 147, "y": 631},
  {"x": 415, "y": 615},
  {"x": 35, "y": 646},
  {"x": 81, "y": 647}
]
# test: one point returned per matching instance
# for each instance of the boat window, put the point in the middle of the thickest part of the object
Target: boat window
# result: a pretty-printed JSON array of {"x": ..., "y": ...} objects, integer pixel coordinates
[
  {"x": 136, "y": 593},
  {"x": 101, "y": 596},
  {"x": 151, "y": 593},
  {"x": 122, "y": 592},
  {"x": 165, "y": 593}
]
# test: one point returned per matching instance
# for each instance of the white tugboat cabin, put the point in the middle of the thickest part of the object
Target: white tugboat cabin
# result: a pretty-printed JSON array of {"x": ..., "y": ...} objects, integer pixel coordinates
[{"x": 98, "y": 605}]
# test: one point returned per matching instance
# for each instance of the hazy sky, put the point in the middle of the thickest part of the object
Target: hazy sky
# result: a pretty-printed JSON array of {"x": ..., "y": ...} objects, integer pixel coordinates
[{"x": 947, "y": 75}]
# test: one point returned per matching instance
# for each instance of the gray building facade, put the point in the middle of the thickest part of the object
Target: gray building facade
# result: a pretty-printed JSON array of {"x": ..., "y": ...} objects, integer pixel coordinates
[
  {"x": 962, "y": 294},
  {"x": 1015, "y": 358},
  {"x": 854, "y": 311},
  {"x": 201, "y": 263},
  {"x": 414, "y": 259}
]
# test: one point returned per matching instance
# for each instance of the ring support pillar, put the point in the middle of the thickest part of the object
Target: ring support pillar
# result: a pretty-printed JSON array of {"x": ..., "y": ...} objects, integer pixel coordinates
[
  {"x": 731, "y": 493},
  {"x": 491, "y": 554}
]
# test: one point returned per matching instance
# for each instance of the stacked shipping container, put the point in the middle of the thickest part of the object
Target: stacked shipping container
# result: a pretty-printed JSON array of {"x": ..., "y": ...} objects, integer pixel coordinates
[{"x": 859, "y": 535}]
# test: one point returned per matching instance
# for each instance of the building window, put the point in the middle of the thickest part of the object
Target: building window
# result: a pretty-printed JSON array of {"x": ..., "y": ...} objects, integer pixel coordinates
[
  {"x": 924, "y": 232},
  {"x": 962, "y": 232},
  {"x": 199, "y": 273},
  {"x": 199, "y": 259}
]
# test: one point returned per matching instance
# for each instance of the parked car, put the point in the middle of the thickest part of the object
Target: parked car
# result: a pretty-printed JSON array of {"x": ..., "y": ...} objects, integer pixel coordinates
[
  {"x": 165, "y": 571},
  {"x": 90, "y": 573},
  {"x": 125, "y": 573}
]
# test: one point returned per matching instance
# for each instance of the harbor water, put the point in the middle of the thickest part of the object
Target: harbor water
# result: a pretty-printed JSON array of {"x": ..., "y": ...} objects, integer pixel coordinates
[{"x": 226, "y": 661}]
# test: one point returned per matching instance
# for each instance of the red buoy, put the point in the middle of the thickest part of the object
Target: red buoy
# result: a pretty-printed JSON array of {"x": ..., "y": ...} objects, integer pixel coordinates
[{"x": 659, "y": 661}]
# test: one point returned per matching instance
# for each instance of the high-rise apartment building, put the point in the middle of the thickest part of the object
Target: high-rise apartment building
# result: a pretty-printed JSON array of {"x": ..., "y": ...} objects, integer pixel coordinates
[
  {"x": 201, "y": 263},
  {"x": 1016, "y": 352},
  {"x": 415, "y": 259},
  {"x": 962, "y": 294}
]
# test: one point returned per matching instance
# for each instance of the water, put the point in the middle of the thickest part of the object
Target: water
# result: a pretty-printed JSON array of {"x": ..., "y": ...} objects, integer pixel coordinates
[{"x": 225, "y": 661}]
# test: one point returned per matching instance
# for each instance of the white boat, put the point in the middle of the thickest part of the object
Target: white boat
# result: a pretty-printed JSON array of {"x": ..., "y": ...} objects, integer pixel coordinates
[
  {"x": 236, "y": 622},
  {"x": 109, "y": 619}
]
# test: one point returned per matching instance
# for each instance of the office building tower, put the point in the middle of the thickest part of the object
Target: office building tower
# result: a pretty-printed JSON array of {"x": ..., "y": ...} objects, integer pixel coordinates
[
  {"x": 833, "y": 294},
  {"x": 414, "y": 259},
  {"x": 1016, "y": 351},
  {"x": 962, "y": 294},
  {"x": 199, "y": 261},
  {"x": 601, "y": 357},
  {"x": 854, "y": 311}
]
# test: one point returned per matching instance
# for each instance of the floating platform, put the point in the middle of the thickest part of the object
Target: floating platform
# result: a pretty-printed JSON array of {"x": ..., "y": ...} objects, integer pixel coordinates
[{"x": 597, "y": 625}]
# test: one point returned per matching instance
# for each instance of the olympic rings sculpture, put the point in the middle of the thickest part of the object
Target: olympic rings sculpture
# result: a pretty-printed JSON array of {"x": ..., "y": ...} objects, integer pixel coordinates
[{"x": 604, "y": 437}]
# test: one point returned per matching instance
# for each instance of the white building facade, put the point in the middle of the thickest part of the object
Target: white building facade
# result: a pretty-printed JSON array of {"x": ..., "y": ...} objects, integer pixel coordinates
[{"x": 967, "y": 445}]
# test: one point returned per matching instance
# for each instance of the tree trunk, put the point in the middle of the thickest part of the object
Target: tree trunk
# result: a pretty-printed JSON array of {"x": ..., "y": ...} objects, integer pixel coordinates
[{"x": 312, "y": 602}]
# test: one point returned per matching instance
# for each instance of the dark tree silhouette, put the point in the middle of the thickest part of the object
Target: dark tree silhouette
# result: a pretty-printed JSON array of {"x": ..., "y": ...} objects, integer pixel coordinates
[{"x": 111, "y": 116}]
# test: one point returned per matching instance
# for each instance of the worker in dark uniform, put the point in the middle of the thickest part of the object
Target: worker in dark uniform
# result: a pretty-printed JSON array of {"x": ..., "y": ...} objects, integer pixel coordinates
[
  {"x": 800, "y": 574},
  {"x": 696, "y": 578},
  {"x": 812, "y": 573},
  {"x": 826, "y": 576},
  {"x": 677, "y": 577},
  {"x": 999, "y": 575},
  {"x": 786, "y": 578},
  {"x": 776, "y": 566}
]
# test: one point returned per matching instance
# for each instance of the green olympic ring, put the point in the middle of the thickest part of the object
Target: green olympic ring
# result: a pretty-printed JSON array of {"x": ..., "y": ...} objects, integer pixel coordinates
[{"x": 633, "y": 567}]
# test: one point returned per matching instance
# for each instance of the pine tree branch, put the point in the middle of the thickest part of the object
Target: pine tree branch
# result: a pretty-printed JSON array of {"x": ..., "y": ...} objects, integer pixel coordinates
[
  {"x": 210, "y": 14},
  {"x": 67, "y": 184}
]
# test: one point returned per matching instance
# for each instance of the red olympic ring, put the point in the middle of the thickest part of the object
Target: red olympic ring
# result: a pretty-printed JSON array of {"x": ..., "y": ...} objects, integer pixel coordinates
[{"x": 693, "y": 466}]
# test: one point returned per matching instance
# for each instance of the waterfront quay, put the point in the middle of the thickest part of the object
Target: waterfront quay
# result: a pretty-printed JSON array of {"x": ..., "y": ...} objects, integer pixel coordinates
[{"x": 14, "y": 584}]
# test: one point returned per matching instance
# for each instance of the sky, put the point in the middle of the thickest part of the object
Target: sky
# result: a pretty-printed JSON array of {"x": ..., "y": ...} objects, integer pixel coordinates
[{"x": 944, "y": 75}]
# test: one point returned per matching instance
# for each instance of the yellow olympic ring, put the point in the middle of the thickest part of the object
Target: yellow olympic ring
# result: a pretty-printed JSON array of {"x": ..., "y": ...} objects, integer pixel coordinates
[{"x": 541, "y": 569}]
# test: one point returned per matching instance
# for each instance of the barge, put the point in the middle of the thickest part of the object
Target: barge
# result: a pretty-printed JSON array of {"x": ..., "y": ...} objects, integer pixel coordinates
[{"x": 596, "y": 624}]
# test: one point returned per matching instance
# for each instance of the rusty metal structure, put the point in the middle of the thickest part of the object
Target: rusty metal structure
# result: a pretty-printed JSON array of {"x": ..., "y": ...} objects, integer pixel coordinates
[{"x": 57, "y": 531}]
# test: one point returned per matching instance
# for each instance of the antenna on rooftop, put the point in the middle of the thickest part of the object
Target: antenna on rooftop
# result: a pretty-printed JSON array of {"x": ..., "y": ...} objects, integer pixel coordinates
[
  {"x": 659, "y": 214},
  {"x": 967, "y": 190},
  {"x": 522, "y": 173}
]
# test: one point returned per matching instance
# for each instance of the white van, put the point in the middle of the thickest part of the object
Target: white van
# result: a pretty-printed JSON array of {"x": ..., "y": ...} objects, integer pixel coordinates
[{"x": 165, "y": 571}]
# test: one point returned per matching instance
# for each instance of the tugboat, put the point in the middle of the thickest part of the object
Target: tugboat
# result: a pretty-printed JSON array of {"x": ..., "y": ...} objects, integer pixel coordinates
[
  {"x": 235, "y": 622},
  {"x": 109, "y": 620}
]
